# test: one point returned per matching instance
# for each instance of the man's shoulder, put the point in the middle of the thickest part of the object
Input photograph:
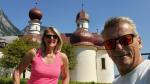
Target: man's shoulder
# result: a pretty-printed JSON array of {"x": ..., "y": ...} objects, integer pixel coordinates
[
  {"x": 146, "y": 62},
  {"x": 140, "y": 74},
  {"x": 146, "y": 66},
  {"x": 116, "y": 80}
]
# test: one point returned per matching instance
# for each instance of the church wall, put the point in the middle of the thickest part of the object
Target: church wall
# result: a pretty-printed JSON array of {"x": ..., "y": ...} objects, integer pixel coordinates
[
  {"x": 85, "y": 70},
  {"x": 104, "y": 74}
]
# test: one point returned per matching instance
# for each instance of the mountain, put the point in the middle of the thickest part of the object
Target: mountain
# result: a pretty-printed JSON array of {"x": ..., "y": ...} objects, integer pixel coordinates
[{"x": 6, "y": 26}]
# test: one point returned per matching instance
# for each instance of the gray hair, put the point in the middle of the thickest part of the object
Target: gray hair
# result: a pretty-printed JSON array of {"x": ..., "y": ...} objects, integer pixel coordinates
[
  {"x": 59, "y": 43},
  {"x": 116, "y": 21}
]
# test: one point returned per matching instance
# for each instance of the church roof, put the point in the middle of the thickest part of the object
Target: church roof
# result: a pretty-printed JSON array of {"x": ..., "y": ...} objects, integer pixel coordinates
[
  {"x": 82, "y": 15},
  {"x": 93, "y": 40}
]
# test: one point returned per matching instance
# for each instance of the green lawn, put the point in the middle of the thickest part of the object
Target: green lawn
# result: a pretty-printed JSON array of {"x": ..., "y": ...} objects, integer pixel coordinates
[{"x": 23, "y": 81}]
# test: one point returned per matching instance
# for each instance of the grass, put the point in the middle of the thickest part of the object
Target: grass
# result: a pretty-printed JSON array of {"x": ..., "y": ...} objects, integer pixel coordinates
[{"x": 23, "y": 81}]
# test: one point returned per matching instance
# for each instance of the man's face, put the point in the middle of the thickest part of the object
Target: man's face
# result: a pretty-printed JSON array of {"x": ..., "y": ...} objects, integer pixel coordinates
[{"x": 123, "y": 46}]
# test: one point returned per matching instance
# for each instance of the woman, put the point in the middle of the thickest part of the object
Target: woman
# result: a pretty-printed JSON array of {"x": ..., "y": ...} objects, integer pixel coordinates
[{"x": 47, "y": 62}]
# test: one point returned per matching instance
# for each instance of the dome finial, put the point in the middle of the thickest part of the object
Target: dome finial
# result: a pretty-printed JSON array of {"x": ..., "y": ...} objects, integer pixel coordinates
[
  {"x": 35, "y": 13},
  {"x": 36, "y": 3},
  {"x": 82, "y": 4}
]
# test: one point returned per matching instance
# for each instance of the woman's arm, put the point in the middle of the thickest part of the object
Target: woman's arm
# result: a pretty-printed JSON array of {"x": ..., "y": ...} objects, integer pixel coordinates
[
  {"x": 26, "y": 60},
  {"x": 65, "y": 69}
]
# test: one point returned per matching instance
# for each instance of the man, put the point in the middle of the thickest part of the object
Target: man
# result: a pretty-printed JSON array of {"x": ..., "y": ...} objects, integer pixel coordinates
[{"x": 123, "y": 44}]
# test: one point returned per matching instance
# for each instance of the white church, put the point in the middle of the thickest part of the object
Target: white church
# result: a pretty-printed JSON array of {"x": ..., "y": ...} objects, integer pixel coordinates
[{"x": 93, "y": 62}]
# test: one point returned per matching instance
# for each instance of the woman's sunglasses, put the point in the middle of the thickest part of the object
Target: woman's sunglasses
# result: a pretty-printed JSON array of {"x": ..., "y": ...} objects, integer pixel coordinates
[
  {"x": 123, "y": 40},
  {"x": 50, "y": 36}
]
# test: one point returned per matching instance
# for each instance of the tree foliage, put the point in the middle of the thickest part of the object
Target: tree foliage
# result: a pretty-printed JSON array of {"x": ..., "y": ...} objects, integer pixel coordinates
[
  {"x": 68, "y": 49},
  {"x": 14, "y": 51}
]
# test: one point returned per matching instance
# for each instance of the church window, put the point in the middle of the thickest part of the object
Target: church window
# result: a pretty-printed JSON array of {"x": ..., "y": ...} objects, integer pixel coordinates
[
  {"x": 36, "y": 27},
  {"x": 103, "y": 63}
]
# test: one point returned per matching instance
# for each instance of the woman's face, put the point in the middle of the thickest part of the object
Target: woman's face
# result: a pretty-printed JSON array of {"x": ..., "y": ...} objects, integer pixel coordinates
[{"x": 51, "y": 39}]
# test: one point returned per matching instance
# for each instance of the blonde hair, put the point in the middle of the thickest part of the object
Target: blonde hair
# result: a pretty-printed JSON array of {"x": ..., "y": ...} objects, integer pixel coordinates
[
  {"x": 114, "y": 22},
  {"x": 59, "y": 43}
]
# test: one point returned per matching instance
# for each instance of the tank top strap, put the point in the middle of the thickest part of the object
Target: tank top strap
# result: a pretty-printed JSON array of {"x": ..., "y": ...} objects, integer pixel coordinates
[
  {"x": 58, "y": 57},
  {"x": 38, "y": 52}
]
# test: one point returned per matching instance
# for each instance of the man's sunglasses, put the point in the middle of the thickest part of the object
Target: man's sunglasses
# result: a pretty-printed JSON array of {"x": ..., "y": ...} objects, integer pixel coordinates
[
  {"x": 50, "y": 36},
  {"x": 123, "y": 40}
]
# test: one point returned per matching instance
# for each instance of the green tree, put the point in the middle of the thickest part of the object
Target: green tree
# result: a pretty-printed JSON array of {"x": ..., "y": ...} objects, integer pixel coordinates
[
  {"x": 69, "y": 50},
  {"x": 14, "y": 51}
]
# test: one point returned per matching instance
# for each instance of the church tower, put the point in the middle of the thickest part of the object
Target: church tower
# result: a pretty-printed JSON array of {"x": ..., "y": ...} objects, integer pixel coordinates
[
  {"x": 34, "y": 24},
  {"x": 85, "y": 70},
  {"x": 82, "y": 20},
  {"x": 93, "y": 62}
]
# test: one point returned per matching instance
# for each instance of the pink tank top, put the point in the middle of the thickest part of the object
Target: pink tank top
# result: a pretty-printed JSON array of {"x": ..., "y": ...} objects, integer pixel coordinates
[{"x": 42, "y": 73}]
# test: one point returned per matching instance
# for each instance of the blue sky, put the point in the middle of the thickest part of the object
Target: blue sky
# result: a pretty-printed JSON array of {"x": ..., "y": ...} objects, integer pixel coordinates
[{"x": 62, "y": 14}]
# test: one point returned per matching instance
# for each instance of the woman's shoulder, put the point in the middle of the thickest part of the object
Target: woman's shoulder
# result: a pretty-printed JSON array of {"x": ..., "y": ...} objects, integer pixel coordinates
[
  {"x": 63, "y": 56},
  {"x": 29, "y": 56},
  {"x": 32, "y": 52}
]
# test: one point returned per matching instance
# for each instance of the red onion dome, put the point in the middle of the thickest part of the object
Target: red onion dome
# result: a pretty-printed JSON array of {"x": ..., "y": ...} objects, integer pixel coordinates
[
  {"x": 97, "y": 39},
  {"x": 35, "y": 13},
  {"x": 84, "y": 36},
  {"x": 82, "y": 15}
]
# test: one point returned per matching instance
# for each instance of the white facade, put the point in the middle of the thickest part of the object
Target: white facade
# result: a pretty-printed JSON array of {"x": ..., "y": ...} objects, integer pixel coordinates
[
  {"x": 85, "y": 69},
  {"x": 27, "y": 74},
  {"x": 105, "y": 74},
  {"x": 89, "y": 66},
  {"x": 34, "y": 27},
  {"x": 83, "y": 24}
]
